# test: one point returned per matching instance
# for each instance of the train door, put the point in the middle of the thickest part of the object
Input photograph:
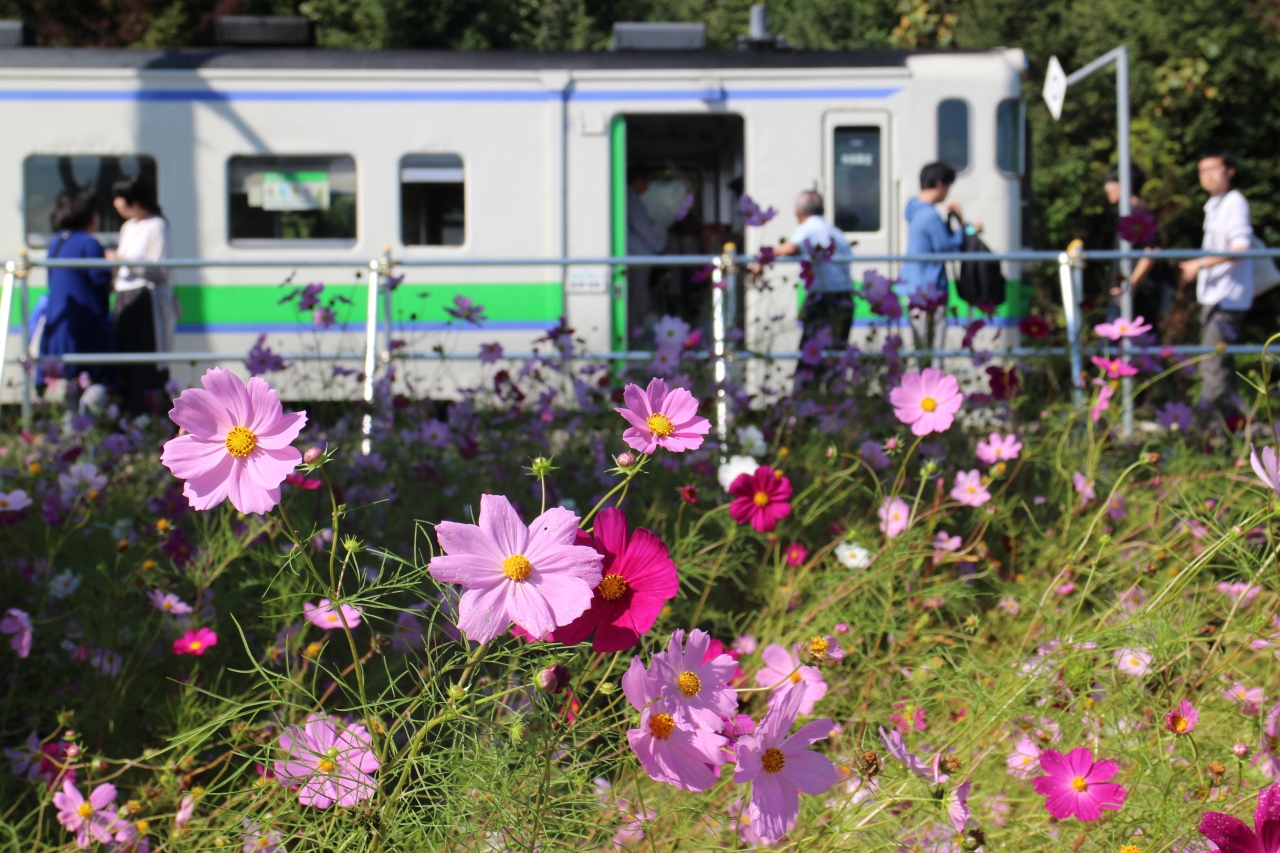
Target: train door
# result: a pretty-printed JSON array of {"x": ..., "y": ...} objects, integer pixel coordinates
[
  {"x": 860, "y": 196},
  {"x": 676, "y": 183}
]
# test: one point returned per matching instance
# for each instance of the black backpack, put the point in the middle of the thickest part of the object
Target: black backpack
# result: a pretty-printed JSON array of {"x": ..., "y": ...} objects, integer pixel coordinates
[{"x": 979, "y": 282}]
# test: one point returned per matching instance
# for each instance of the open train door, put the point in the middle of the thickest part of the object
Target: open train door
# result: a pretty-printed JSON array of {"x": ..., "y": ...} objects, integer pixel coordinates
[{"x": 858, "y": 181}]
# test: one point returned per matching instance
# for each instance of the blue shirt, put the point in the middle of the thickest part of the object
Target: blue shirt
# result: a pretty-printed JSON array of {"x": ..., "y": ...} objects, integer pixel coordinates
[
  {"x": 828, "y": 277},
  {"x": 77, "y": 318},
  {"x": 927, "y": 233}
]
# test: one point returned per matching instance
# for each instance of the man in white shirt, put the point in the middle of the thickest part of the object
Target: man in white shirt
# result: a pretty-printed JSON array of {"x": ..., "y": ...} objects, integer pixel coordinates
[
  {"x": 828, "y": 303},
  {"x": 644, "y": 237},
  {"x": 1224, "y": 286}
]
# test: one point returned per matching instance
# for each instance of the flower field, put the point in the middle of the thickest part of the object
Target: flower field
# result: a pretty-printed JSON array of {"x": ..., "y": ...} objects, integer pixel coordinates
[{"x": 904, "y": 608}]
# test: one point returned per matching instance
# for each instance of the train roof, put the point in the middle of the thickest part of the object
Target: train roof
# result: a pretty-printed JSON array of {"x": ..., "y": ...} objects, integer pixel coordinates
[{"x": 447, "y": 60}]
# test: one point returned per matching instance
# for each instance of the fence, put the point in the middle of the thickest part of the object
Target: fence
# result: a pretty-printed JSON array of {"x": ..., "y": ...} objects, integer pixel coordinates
[{"x": 726, "y": 269}]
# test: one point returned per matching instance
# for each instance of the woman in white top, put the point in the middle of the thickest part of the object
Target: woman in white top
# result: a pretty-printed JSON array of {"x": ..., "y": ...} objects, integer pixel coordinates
[{"x": 144, "y": 316}]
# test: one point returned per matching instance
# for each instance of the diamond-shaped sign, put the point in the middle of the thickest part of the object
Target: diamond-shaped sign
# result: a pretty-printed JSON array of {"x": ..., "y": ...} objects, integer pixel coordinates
[{"x": 1055, "y": 87}]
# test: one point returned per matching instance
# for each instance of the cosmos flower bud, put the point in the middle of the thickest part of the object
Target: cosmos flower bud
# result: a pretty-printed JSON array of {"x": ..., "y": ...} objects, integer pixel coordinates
[
  {"x": 457, "y": 691},
  {"x": 608, "y": 688},
  {"x": 540, "y": 467},
  {"x": 626, "y": 459},
  {"x": 1241, "y": 750},
  {"x": 73, "y": 751},
  {"x": 311, "y": 455},
  {"x": 553, "y": 679}
]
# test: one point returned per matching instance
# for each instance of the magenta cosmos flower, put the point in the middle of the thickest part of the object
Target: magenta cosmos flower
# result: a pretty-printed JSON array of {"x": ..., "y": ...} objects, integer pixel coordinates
[
  {"x": 1233, "y": 836},
  {"x": 998, "y": 448},
  {"x": 780, "y": 765},
  {"x": 695, "y": 690},
  {"x": 94, "y": 817},
  {"x": 236, "y": 445},
  {"x": 927, "y": 400},
  {"x": 329, "y": 763},
  {"x": 662, "y": 418},
  {"x": 324, "y": 615},
  {"x": 639, "y": 578},
  {"x": 761, "y": 499},
  {"x": 783, "y": 669},
  {"x": 17, "y": 624},
  {"x": 1114, "y": 368},
  {"x": 895, "y": 516},
  {"x": 1182, "y": 719},
  {"x": 195, "y": 642},
  {"x": 969, "y": 489},
  {"x": 680, "y": 755},
  {"x": 534, "y": 576},
  {"x": 1122, "y": 328},
  {"x": 1078, "y": 785}
]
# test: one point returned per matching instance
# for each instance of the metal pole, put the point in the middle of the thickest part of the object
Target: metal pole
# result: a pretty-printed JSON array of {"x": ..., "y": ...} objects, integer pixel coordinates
[
  {"x": 370, "y": 353},
  {"x": 1067, "y": 275},
  {"x": 22, "y": 270},
  {"x": 719, "y": 328},
  {"x": 6, "y": 309},
  {"x": 1126, "y": 192},
  {"x": 388, "y": 300}
]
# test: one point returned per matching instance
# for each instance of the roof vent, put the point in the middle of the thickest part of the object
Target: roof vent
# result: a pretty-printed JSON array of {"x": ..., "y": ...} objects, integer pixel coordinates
[
  {"x": 263, "y": 31},
  {"x": 628, "y": 36},
  {"x": 13, "y": 34},
  {"x": 758, "y": 35}
]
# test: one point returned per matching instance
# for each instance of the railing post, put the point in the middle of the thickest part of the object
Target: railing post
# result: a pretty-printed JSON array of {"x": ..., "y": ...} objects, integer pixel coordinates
[
  {"x": 388, "y": 300},
  {"x": 724, "y": 281},
  {"x": 370, "y": 353},
  {"x": 6, "y": 309},
  {"x": 22, "y": 272},
  {"x": 1070, "y": 279}
]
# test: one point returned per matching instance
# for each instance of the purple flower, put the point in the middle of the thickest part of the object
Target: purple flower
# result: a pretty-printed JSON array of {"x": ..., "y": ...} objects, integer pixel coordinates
[
  {"x": 783, "y": 670},
  {"x": 329, "y": 763},
  {"x": 1175, "y": 416},
  {"x": 928, "y": 298},
  {"x": 1084, "y": 487},
  {"x": 94, "y": 817},
  {"x": 1266, "y": 466},
  {"x": 167, "y": 602},
  {"x": 262, "y": 360},
  {"x": 694, "y": 692},
  {"x": 490, "y": 353},
  {"x": 873, "y": 454},
  {"x": 752, "y": 215},
  {"x": 323, "y": 317},
  {"x": 258, "y": 840},
  {"x": 1138, "y": 227},
  {"x": 811, "y": 352},
  {"x": 679, "y": 755},
  {"x": 898, "y": 749},
  {"x": 308, "y": 297},
  {"x": 17, "y": 623},
  {"x": 465, "y": 310}
]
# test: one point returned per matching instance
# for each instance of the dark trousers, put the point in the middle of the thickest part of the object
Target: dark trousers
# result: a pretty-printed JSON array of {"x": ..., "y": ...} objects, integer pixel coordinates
[
  {"x": 135, "y": 331},
  {"x": 1218, "y": 372},
  {"x": 833, "y": 311}
]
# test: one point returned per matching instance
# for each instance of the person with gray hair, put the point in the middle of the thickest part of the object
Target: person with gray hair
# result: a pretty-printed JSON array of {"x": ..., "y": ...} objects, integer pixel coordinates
[{"x": 828, "y": 302}]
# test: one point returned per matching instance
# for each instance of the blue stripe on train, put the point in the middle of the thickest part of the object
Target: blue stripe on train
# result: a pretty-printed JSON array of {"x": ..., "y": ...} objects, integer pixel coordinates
[{"x": 459, "y": 95}]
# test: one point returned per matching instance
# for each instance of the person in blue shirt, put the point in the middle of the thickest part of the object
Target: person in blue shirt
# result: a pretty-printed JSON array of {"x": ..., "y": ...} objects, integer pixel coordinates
[
  {"x": 78, "y": 316},
  {"x": 928, "y": 232}
]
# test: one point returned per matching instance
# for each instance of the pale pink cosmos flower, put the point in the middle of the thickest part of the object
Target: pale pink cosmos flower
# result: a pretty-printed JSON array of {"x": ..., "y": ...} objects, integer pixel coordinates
[
  {"x": 18, "y": 624},
  {"x": 1114, "y": 368},
  {"x": 1244, "y": 593},
  {"x": 782, "y": 670},
  {"x": 895, "y": 516},
  {"x": 534, "y": 575},
  {"x": 688, "y": 758},
  {"x": 780, "y": 765},
  {"x": 259, "y": 840},
  {"x": 1077, "y": 785},
  {"x": 1182, "y": 719},
  {"x": 969, "y": 489},
  {"x": 957, "y": 805},
  {"x": 167, "y": 602},
  {"x": 946, "y": 542},
  {"x": 998, "y": 448},
  {"x": 325, "y": 615},
  {"x": 894, "y": 743},
  {"x": 1084, "y": 487},
  {"x": 1122, "y": 328},
  {"x": 927, "y": 400},
  {"x": 1105, "y": 393},
  {"x": 329, "y": 763},
  {"x": 95, "y": 817},
  {"x": 1024, "y": 760},
  {"x": 1009, "y": 605},
  {"x": 1266, "y": 466},
  {"x": 14, "y": 501},
  {"x": 186, "y": 810},
  {"x": 695, "y": 690},
  {"x": 662, "y": 418},
  {"x": 1267, "y": 758},
  {"x": 1249, "y": 698},
  {"x": 237, "y": 443},
  {"x": 1135, "y": 662}
]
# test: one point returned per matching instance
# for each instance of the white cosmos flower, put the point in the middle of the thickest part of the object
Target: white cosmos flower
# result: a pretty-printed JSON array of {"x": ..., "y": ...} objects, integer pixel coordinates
[
  {"x": 736, "y": 465},
  {"x": 852, "y": 555}
]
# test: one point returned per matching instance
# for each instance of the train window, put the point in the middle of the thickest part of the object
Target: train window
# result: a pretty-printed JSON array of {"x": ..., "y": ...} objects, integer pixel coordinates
[
  {"x": 953, "y": 133},
  {"x": 292, "y": 198},
  {"x": 856, "y": 178},
  {"x": 1009, "y": 143},
  {"x": 44, "y": 178},
  {"x": 432, "y": 201}
]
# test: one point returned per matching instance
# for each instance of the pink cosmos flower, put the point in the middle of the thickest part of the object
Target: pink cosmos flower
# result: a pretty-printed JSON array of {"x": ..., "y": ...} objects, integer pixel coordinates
[
  {"x": 195, "y": 642},
  {"x": 1231, "y": 835},
  {"x": 796, "y": 554},
  {"x": 894, "y": 743},
  {"x": 186, "y": 810},
  {"x": 1077, "y": 785},
  {"x": 1024, "y": 760},
  {"x": 17, "y": 623},
  {"x": 998, "y": 448},
  {"x": 14, "y": 501},
  {"x": 1250, "y": 698},
  {"x": 1105, "y": 393},
  {"x": 236, "y": 444},
  {"x": 927, "y": 400},
  {"x": 780, "y": 765},
  {"x": 535, "y": 575},
  {"x": 325, "y": 615},
  {"x": 695, "y": 690},
  {"x": 969, "y": 489},
  {"x": 259, "y": 840},
  {"x": 94, "y": 817},
  {"x": 168, "y": 602},
  {"x": 1244, "y": 593},
  {"x": 895, "y": 516},
  {"x": 906, "y": 717},
  {"x": 639, "y": 578},
  {"x": 1267, "y": 758},
  {"x": 957, "y": 803},
  {"x": 783, "y": 669},
  {"x": 662, "y": 418},
  {"x": 761, "y": 499},
  {"x": 1182, "y": 719},
  {"x": 329, "y": 764},
  {"x": 1267, "y": 467},
  {"x": 1122, "y": 328},
  {"x": 683, "y": 756},
  {"x": 1114, "y": 368},
  {"x": 1084, "y": 487},
  {"x": 1135, "y": 662}
]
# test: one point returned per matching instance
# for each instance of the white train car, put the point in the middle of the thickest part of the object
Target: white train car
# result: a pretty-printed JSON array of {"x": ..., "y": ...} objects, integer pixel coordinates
[{"x": 297, "y": 154}]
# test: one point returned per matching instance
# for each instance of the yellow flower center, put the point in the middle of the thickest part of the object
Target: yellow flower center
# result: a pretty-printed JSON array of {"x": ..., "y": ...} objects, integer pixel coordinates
[
  {"x": 34, "y": 467},
  {"x": 1179, "y": 724},
  {"x": 689, "y": 683},
  {"x": 263, "y": 841},
  {"x": 1130, "y": 848},
  {"x": 773, "y": 760},
  {"x": 85, "y": 809},
  {"x": 241, "y": 441},
  {"x": 195, "y": 645},
  {"x": 143, "y": 827},
  {"x": 4, "y": 502},
  {"x": 148, "y": 565},
  {"x": 1079, "y": 784},
  {"x": 326, "y": 766},
  {"x": 661, "y": 726},
  {"x": 928, "y": 404},
  {"x": 795, "y": 677},
  {"x": 517, "y": 567},
  {"x": 818, "y": 647},
  {"x": 761, "y": 499},
  {"x": 612, "y": 587},
  {"x": 660, "y": 425}
]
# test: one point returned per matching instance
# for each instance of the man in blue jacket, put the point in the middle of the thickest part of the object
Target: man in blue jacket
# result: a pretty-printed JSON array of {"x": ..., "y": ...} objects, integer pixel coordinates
[{"x": 928, "y": 232}]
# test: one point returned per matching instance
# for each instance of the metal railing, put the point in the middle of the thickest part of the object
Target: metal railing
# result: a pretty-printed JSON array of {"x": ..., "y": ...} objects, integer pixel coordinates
[{"x": 726, "y": 268}]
